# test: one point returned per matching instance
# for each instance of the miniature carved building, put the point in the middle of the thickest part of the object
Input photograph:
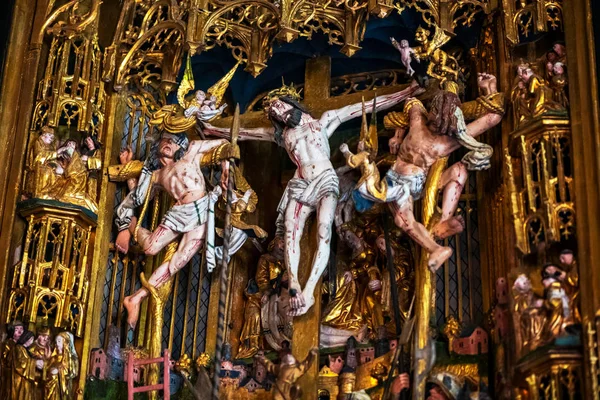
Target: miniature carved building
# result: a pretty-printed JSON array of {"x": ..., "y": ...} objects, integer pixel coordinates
[{"x": 475, "y": 342}]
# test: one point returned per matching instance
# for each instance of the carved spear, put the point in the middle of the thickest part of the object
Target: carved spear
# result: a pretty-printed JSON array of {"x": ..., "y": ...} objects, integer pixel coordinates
[{"x": 235, "y": 130}]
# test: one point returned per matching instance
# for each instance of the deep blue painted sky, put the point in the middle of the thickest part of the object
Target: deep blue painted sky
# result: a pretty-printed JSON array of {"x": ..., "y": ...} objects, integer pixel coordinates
[{"x": 289, "y": 59}]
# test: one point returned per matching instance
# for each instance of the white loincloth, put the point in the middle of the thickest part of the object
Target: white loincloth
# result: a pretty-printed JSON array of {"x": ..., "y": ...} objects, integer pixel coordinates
[
  {"x": 309, "y": 193},
  {"x": 400, "y": 188},
  {"x": 186, "y": 217}
]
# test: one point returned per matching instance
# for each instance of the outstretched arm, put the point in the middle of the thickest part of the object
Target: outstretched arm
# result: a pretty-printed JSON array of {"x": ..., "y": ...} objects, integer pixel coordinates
[
  {"x": 492, "y": 101},
  {"x": 333, "y": 118},
  {"x": 263, "y": 134},
  {"x": 309, "y": 359}
]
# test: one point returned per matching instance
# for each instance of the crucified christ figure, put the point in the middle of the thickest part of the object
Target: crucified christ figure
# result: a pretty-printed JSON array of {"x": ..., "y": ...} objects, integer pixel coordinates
[
  {"x": 315, "y": 185},
  {"x": 173, "y": 166},
  {"x": 422, "y": 137}
]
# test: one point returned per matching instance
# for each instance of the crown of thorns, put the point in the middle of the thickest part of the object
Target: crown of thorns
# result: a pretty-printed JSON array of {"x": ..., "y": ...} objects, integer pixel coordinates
[{"x": 283, "y": 91}]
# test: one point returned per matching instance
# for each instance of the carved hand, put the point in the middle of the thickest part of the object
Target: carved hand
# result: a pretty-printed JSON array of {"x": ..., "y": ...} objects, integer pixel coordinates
[
  {"x": 375, "y": 285},
  {"x": 126, "y": 155},
  {"x": 344, "y": 148},
  {"x": 347, "y": 277},
  {"x": 487, "y": 84},
  {"x": 401, "y": 382},
  {"x": 394, "y": 144}
]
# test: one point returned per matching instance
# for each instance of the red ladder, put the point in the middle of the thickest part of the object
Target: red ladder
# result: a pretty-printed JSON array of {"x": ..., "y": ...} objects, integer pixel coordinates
[{"x": 131, "y": 363}]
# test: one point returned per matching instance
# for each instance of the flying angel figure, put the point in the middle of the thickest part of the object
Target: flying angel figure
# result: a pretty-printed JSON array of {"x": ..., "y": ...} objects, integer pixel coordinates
[
  {"x": 407, "y": 54},
  {"x": 205, "y": 106}
]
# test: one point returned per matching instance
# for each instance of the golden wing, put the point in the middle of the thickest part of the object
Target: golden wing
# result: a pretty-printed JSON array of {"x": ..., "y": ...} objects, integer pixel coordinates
[
  {"x": 440, "y": 38},
  {"x": 219, "y": 88},
  {"x": 187, "y": 84}
]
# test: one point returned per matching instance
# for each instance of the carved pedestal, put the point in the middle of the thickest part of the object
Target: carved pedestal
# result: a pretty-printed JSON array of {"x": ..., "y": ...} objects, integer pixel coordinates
[
  {"x": 551, "y": 374},
  {"x": 49, "y": 286},
  {"x": 540, "y": 184}
]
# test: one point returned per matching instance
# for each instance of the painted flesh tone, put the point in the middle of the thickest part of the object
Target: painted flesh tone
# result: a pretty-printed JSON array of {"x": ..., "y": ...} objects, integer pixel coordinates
[
  {"x": 184, "y": 182},
  {"x": 307, "y": 146}
]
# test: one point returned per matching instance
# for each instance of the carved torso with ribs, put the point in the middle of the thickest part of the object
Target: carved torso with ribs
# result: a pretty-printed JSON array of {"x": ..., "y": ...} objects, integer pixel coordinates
[
  {"x": 308, "y": 148},
  {"x": 183, "y": 180}
]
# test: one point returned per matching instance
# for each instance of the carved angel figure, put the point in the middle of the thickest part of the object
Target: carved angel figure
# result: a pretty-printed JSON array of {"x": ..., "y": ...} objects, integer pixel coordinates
[
  {"x": 205, "y": 106},
  {"x": 406, "y": 54}
]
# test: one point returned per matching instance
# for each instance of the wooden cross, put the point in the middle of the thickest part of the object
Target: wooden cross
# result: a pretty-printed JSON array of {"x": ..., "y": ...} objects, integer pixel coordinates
[{"x": 317, "y": 99}]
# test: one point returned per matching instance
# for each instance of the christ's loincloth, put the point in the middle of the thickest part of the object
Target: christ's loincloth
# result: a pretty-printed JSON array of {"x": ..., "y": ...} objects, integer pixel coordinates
[
  {"x": 309, "y": 193},
  {"x": 399, "y": 189}
]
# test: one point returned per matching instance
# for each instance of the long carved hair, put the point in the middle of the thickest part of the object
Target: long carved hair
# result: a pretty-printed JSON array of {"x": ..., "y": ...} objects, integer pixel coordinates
[
  {"x": 295, "y": 116},
  {"x": 441, "y": 118}
]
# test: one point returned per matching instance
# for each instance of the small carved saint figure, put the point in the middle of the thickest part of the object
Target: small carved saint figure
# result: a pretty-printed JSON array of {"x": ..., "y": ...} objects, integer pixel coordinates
[
  {"x": 71, "y": 184},
  {"x": 24, "y": 366},
  {"x": 539, "y": 96},
  {"x": 315, "y": 185},
  {"x": 41, "y": 350},
  {"x": 287, "y": 373},
  {"x": 61, "y": 369},
  {"x": 40, "y": 164},
  {"x": 559, "y": 84},
  {"x": 14, "y": 332},
  {"x": 91, "y": 155},
  {"x": 251, "y": 336}
]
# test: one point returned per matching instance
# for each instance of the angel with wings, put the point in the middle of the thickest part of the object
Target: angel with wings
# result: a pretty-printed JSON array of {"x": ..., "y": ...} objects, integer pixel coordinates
[{"x": 205, "y": 106}]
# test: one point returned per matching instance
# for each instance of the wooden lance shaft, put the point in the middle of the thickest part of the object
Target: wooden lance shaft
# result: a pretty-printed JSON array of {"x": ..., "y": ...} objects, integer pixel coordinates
[{"x": 235, "y": 129}]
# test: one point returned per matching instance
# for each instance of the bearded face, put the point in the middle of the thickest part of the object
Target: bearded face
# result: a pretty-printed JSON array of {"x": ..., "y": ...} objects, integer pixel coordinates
[{"x": 285, "y": 113}]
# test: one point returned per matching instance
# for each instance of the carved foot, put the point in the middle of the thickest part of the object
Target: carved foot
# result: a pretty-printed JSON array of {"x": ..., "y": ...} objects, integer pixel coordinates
[
  {"x": 308, "y": 303},
  {"x": 132, "y": 225},
  {"x": 449, "y": 227},
  {"x": 133, "y": 311},
  {"x": 296, "y": 299},
  {"x": 438, "y": 257},
  {"x": 122, "y": 241}
]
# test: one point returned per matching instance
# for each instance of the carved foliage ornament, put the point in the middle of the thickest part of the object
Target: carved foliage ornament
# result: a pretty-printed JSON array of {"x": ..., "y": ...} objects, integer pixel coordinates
[{"x": 249, "y": 28}]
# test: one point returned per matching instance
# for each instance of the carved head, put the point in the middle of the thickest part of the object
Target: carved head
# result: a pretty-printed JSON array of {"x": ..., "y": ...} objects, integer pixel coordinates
[
  {"x": 47, "y": 135},
  {"x": 284, "y": 112},
  {"x": 404, "y": 43},
  {"x": 522, "y": 284},
  {"x": 560, "y": 49},
  {"x": 17, "y": 329},
  {"x": 551, "y": 56},
  {"x": 200, "y": 96},
  {"x": 26, "y": 339},
  {"x": 558, "y": 68},
  {"x": 552, "y": 273},
  {"x": 277, "y": 246},
  {"x": 567, "y": 257},
  {"x": 288, "y": 359},
  {"x": 43, "y": 337},
  {"x": 422, "y": 35}
]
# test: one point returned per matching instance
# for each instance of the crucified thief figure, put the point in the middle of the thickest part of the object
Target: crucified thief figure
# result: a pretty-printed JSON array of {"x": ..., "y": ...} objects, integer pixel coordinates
[
  {"x": 315, "y": 185},
  {"x": 422, "y": 137},
  {"x": 173, "y": 166}
]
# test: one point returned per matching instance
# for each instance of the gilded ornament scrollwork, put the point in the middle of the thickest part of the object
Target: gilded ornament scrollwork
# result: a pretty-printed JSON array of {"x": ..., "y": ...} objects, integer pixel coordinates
[{"x": 525, "y": 18}]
